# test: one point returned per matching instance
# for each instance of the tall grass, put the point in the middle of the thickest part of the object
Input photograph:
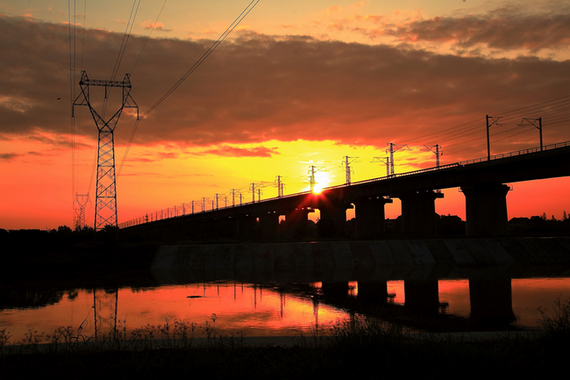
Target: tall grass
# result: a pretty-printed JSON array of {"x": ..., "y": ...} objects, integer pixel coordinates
[
  {"x": 173, "y": 334},
  {"x": 556, "y": 325}
]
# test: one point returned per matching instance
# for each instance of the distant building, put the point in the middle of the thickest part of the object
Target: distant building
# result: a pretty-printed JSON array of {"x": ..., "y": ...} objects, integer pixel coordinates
[{"x": 518, "y": 226}]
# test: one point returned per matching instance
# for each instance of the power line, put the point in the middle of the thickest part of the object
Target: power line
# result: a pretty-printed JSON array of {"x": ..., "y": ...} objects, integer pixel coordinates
[
  {"x": 210, "y": 50},
  {"x": 123, "y": 48},
  {"x": 126, "y": 36},
  {"x": 193, "y": 68},
  {"x": 148, "y": 37},
  {"x": 71, "y": 47}
]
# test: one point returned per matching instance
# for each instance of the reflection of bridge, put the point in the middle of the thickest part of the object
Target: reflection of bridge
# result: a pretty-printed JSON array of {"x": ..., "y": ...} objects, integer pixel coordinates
[
  {"x": 481, "y": 181},
  {"x": 490, "y": 303}
]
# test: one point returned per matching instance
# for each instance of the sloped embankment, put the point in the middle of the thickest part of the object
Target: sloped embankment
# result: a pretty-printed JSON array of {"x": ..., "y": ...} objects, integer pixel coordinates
[{"x": 362, "y": 260}]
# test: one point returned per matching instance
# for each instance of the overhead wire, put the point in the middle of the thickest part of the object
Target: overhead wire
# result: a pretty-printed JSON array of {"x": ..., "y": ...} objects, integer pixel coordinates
[
  {"x": 213, "y": 47},
  {"x": 72, "y": 63},
  {"x": 122, "y": 48},
  {"x": 148, "y": 37},
  {"x": 193, "y": 68},
  {"x": 126, "y": 36},
  {"x": 554, "y": 111},
  {"x": 83, "y": 33}
]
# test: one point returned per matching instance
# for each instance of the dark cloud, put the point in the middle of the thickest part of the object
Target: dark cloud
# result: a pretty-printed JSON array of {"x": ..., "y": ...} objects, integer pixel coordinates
[
  {"x": 498, "y": 30},
  {"x": 9, "y": 156},
  {"x": 258, "y": 88}
]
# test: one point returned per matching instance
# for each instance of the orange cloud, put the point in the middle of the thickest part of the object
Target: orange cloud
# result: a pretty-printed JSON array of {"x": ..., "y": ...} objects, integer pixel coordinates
[
  {"x": 333, "y": 9},
  {"x": 257, "y": 95},
  {"x": 260, "y": 88},
  {"x": 230, "y": 151},
  {"x": 154, "y": 26}
]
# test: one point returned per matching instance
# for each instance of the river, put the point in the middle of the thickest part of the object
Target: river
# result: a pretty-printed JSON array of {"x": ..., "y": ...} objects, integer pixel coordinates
[{"x": 233, "y": 308}]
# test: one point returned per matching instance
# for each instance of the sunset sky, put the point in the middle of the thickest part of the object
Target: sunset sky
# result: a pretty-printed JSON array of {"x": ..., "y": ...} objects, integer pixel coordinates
[{"x": 298, "y": 83}]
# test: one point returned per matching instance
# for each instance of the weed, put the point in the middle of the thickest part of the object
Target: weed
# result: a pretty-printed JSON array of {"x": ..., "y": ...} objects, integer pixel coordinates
[
  {"x": 557, "y": 324},
  {"x": 4, "y": 338},
  {"x": 363, "y": 331},
  {"x": 315, "y": 336}
]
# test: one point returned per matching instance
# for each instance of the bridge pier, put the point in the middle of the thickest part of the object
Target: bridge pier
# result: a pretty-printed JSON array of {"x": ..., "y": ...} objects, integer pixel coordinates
[
  {"x": 269, "y": 225},
  {"x": 296, "y": 221},
  {"x": 486, "y": 209},
  {"x": 333, "y": 219},
  {"x": 418, "y": 212},
  {"x": 370, "y": 216},
  {"x": 245, "y": 227}
]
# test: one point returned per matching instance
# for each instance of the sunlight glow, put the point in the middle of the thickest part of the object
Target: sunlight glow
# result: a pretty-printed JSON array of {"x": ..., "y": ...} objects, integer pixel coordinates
[{"x": 322, "y": 180}]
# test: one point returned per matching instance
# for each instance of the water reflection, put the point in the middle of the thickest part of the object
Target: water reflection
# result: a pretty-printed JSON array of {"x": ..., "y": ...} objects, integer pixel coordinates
[{"x": 474, "y": 304}]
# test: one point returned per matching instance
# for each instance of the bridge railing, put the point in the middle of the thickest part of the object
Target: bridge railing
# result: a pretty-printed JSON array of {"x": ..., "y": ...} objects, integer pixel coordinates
[
  {"x": 145, "y": 219},
  {"x": 516, "y": 153}
]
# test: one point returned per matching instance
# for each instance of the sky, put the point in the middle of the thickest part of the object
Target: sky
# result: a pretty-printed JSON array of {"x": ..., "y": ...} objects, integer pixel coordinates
[{"x": 296, "y": 84}]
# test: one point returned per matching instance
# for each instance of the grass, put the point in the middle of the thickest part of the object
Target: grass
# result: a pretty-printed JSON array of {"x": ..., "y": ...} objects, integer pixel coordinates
[
  {"x": 350, "y": 349},
  {"x": 556, "y": 326}
]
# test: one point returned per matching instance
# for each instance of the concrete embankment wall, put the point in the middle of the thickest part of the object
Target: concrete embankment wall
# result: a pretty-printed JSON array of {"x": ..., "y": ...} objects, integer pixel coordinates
[{"x": 363, "y": 260}]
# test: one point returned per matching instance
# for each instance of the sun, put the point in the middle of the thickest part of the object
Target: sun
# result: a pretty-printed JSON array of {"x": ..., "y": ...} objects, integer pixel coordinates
[
  {"x": 317, "y": 189},
  {"x": 322, "y": 180}
]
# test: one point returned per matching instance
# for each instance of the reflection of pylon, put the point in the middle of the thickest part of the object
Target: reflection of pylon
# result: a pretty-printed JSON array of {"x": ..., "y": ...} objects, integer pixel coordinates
[
  {"x": 105, "y": 311},
  {"x": 106, "y": 187},
  {"x": 81, "y": 200}
]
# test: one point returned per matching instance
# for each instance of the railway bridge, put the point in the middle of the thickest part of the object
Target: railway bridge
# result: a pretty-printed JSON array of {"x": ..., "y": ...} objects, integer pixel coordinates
[{"x": 483, "y": 182}]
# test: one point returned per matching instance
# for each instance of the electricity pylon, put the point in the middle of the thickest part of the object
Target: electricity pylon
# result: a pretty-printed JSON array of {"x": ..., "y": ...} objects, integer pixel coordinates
[
  {"x": 81, "y": 200},
  {"x": 106, "y": 186}
]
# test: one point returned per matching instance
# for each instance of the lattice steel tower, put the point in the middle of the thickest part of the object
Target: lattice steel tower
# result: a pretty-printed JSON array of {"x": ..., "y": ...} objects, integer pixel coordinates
[
  {"x": 81, "y": 200},
  {"x": 106, "y": 186}
]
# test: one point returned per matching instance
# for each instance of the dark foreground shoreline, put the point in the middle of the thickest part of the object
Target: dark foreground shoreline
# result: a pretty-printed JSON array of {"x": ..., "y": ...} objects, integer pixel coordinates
[
  {"x": 364, "y": 354},
  {"x": 367, "y": 352}
]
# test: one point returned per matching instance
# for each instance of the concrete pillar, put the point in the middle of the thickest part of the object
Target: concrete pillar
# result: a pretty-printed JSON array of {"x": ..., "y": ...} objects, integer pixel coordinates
[
  {"x": 418, "y": 213},
  {"x": 296, "y": 222},
  {"x": 246, "y": 227},
  {"x": 370, "y": 217},
  {"x": 269, "y": 225},
  {"x": 228, "y": 228},
  {"x": 486, "y": 209},
  {"x": 333, "y": 219}
]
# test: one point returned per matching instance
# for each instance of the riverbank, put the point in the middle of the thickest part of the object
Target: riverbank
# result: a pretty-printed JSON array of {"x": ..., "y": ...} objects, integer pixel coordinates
[
  {"x": 359, "y": 348},
  {"x": 42, "y": 259},
  {"x": 369, "y": 260}
]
